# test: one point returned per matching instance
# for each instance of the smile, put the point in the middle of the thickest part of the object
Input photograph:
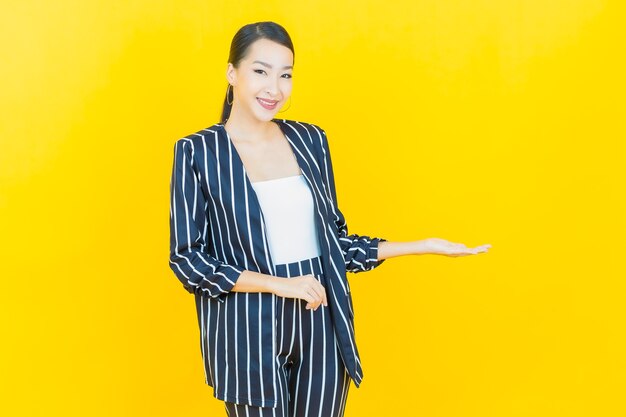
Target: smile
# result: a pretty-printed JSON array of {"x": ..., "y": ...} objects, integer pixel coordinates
[{"x": 267, "y": 104}]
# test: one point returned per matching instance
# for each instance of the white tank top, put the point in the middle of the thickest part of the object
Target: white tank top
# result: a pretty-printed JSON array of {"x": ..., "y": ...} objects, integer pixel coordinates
[{"x": 288, "y": 211}]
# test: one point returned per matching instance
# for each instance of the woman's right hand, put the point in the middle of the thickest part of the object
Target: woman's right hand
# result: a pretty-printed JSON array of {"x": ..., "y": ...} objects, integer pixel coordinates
[{"x": 305, "y": 287}]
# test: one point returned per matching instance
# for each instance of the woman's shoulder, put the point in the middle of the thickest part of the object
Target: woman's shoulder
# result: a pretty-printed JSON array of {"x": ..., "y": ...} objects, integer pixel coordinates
[
  {"x": 199, "y": 137},
  {"x": 212, "y": 130}
]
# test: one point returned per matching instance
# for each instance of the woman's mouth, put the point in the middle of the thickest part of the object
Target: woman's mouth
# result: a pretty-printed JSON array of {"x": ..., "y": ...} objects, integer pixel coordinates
[{"x": 267, "y": 104}]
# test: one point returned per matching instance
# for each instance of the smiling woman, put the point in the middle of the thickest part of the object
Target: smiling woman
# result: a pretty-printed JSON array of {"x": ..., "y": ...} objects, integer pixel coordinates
[
  {"x": 257, "y": 236},
  {"x": 265, "y": 50}
]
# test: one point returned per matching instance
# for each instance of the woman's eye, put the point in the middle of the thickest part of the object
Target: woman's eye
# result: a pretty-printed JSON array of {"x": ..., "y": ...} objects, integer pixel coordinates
[{"x": 260, "y": 71}]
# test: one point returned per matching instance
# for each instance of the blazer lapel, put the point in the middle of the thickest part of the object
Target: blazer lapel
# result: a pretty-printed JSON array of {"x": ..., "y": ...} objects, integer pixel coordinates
[
  {"x": 311, "y": 171},
  {"x": 254, "y": 211}
]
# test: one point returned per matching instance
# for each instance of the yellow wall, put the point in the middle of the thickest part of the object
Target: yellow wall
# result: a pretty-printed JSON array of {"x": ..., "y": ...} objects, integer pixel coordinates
[{"x": 477, "y": 121}]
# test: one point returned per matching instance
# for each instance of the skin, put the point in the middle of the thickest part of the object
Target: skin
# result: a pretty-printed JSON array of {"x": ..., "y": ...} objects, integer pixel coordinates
[{"x": 266, "y": 154}]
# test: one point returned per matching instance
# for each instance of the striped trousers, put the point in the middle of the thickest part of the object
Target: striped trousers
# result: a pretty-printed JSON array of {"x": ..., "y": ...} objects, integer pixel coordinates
[{"x": 312, "y": 378}]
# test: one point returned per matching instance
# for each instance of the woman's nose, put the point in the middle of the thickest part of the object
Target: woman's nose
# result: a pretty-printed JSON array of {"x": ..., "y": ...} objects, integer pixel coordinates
[{"x": 272, "y": 87}]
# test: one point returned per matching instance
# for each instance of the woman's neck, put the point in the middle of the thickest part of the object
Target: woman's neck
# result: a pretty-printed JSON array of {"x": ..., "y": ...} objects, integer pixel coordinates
[{"x": 249, "y": 128}]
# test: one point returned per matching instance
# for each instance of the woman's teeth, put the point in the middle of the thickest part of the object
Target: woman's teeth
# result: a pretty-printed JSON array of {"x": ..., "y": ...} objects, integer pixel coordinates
[{"x": 267, "y": 104}]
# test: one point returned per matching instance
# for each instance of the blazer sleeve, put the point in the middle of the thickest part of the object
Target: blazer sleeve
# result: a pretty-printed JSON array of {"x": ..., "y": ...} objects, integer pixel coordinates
[
  {"x": 360, "y": 252},
  {"x": 199, "y": 272}
]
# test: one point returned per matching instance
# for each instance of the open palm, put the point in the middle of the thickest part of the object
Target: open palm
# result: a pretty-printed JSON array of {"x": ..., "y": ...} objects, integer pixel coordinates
[{"x": 443, "y": 247}]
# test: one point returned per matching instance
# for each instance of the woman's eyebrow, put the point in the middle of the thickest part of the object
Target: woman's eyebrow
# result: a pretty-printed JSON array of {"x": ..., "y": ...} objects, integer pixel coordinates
[{"x": 269, "y": 66}]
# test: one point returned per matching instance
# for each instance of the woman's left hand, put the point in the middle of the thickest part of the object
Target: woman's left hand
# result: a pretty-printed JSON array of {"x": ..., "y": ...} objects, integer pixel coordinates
[{"x": 438, "y": 246}]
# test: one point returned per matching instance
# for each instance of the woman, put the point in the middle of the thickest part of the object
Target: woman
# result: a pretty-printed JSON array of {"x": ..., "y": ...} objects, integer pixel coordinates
[{"x": 258, "y": 238}]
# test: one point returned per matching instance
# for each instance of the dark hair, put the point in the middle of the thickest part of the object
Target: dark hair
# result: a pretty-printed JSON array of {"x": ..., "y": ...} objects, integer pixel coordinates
[{"x": 241, "y": 42}]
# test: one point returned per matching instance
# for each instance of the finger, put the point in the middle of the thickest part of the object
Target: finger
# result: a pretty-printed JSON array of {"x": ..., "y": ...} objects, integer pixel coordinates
[
  {"x": 317, "y": 292},
  {"x": 323, "y": 296},
  {"x": 312, "y": 298},
  {"x": 480, "y": 249},
  {"x": 321, "y": 291}
]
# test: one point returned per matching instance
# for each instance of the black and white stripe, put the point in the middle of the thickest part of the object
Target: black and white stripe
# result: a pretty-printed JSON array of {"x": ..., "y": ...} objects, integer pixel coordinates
[
  {"x": 217, "y": 231},
  {"x": 313, "y": 381}
]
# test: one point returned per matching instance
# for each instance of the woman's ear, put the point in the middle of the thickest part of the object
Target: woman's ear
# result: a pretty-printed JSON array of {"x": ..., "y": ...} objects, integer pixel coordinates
[{"x": 231, "y": 74}]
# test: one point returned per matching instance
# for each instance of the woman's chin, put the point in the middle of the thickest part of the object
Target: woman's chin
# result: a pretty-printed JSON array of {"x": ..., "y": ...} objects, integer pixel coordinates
[{"x": 265, "y": 116}]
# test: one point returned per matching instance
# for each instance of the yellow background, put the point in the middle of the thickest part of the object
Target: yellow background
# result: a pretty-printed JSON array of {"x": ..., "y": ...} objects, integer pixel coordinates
[{"x": 479, "y": 121}]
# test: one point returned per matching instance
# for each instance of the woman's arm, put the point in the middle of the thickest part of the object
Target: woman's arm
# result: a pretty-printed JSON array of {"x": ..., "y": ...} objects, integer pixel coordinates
[
  {"x": 199, "y": 272},
  {"x": 305, "y": 287},
  {"x": 252, "y": 281},
  {"x": 433, "y": 246}
]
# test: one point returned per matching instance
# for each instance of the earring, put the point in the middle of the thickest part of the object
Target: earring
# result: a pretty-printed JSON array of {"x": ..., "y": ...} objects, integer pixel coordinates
[
  {"x": 227, "y": 90},
  {"x": 287, "y": 107}
]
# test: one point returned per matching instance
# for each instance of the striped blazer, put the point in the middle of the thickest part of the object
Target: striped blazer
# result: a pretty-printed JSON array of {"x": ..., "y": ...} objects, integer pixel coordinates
[{"x": 217, "y": 231}]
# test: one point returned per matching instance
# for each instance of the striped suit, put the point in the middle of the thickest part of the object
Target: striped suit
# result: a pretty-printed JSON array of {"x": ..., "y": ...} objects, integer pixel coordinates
[{"x": 217, "y": 231}]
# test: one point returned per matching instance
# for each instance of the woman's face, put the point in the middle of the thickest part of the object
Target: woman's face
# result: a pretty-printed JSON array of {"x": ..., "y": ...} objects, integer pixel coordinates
[{"x": 262, "y": 83}]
